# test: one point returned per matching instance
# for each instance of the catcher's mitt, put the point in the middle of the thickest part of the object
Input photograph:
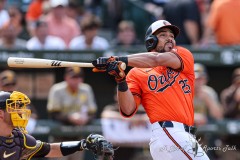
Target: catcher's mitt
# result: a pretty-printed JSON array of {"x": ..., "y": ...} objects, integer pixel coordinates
[{"x": 99, "y": 145}]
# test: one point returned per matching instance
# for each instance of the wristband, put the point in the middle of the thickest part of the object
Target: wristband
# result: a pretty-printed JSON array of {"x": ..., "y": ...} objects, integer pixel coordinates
[
  {"x": 71, "y": 147},
  {"x": 123, "y": 59},
  {"x": 122, "y": 86}
]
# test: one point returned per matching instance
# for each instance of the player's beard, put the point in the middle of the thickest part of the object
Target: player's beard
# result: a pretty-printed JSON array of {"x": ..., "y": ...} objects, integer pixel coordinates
[{"x": 167, "y": 47}]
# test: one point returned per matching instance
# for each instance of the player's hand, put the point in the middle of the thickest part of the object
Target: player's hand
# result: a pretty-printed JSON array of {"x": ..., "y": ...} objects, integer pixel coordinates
[
  {"x": 98, "y": 145},
  {"x": 114, "y": 69},
  {"x": 100, "y": 64}
]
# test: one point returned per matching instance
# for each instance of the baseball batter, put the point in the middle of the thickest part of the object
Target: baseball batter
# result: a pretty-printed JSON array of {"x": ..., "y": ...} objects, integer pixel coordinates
[{"x": 162, "y": 80}]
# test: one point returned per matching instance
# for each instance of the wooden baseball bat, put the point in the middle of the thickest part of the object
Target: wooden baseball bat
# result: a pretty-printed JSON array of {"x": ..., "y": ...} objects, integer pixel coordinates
[{"x": 46, "y": 63}]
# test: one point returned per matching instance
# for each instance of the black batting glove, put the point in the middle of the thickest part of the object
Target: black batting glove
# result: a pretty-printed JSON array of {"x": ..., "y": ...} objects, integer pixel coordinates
[
  {"x": 100, "y": 64},
  {"x": 114, "y": 69}
]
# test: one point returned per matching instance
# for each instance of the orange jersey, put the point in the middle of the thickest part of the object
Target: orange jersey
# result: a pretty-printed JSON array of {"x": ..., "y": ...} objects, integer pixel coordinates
[{"x": 165, "y": 94}]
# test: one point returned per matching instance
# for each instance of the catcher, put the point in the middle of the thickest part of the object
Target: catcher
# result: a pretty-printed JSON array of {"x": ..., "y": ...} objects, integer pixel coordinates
[{"x": 16, "y": 144}]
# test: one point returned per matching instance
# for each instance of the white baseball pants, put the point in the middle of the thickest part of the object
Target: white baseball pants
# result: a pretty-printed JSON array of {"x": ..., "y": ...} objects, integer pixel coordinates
[{"x": 174, "y": 143}]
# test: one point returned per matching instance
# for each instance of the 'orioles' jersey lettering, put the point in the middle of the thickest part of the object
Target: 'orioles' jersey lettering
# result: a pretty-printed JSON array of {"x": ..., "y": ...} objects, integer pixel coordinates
[
  {"x": 163, "y": 81},
  {"x": 164, "y": 91}
]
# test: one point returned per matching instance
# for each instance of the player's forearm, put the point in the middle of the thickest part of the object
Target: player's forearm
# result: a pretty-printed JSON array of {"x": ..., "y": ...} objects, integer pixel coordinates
[
  {"x": 55, "y": 150},
  {"x": 154, "y": 59},
  {"x": 142, "y": 60},
  {"x": 126, "y": 102},
  {"x": 65, "y": 148}
]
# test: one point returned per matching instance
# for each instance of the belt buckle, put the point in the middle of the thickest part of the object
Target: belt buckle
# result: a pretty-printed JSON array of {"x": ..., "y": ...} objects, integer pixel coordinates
[{"x": 165, "y": 124}]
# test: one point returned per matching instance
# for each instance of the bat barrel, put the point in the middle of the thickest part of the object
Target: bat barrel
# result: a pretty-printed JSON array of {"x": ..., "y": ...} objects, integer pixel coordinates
[{"x": 43, "y": 63}]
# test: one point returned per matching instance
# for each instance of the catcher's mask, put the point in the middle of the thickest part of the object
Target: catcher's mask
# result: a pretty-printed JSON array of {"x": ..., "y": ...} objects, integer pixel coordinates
[
  {"x": 15, "y": 104},
  {"x": 151, "y": 40}
]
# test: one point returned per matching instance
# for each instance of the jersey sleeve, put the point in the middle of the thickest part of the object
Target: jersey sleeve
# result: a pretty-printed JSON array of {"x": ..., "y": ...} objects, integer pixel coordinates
[{"x": 187, "y": 60}]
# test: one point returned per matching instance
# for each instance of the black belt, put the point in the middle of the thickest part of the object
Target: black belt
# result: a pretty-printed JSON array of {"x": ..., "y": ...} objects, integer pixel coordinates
[{"x": 190, "y": 129}]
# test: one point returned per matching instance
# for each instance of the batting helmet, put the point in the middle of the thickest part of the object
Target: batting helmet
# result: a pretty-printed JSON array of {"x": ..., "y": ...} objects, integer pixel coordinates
[
  {"x": 16, "y": 105},
  {"x": 151, "y": 40}
]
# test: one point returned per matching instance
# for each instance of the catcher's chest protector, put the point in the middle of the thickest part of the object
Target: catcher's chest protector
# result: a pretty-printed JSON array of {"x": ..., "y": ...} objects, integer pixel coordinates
[{"x": 11, "y": 147}]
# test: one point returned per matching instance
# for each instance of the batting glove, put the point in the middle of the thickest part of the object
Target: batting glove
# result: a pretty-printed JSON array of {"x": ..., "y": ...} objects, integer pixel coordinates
[
  {"x": 114, "y": 69},
  {"x": 100, "y": 64}
]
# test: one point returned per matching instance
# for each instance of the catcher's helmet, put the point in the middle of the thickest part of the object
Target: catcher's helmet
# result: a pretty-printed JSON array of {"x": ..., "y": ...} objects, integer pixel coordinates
[
  {"x": 151, "y": 40},
  {"x": 3, "y": 97},
  {"x": 15, "y": 104}
]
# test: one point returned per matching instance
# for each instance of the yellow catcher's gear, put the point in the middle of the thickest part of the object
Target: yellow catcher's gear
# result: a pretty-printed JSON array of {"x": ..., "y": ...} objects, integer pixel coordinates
[{"x": 15, "y": 104}]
